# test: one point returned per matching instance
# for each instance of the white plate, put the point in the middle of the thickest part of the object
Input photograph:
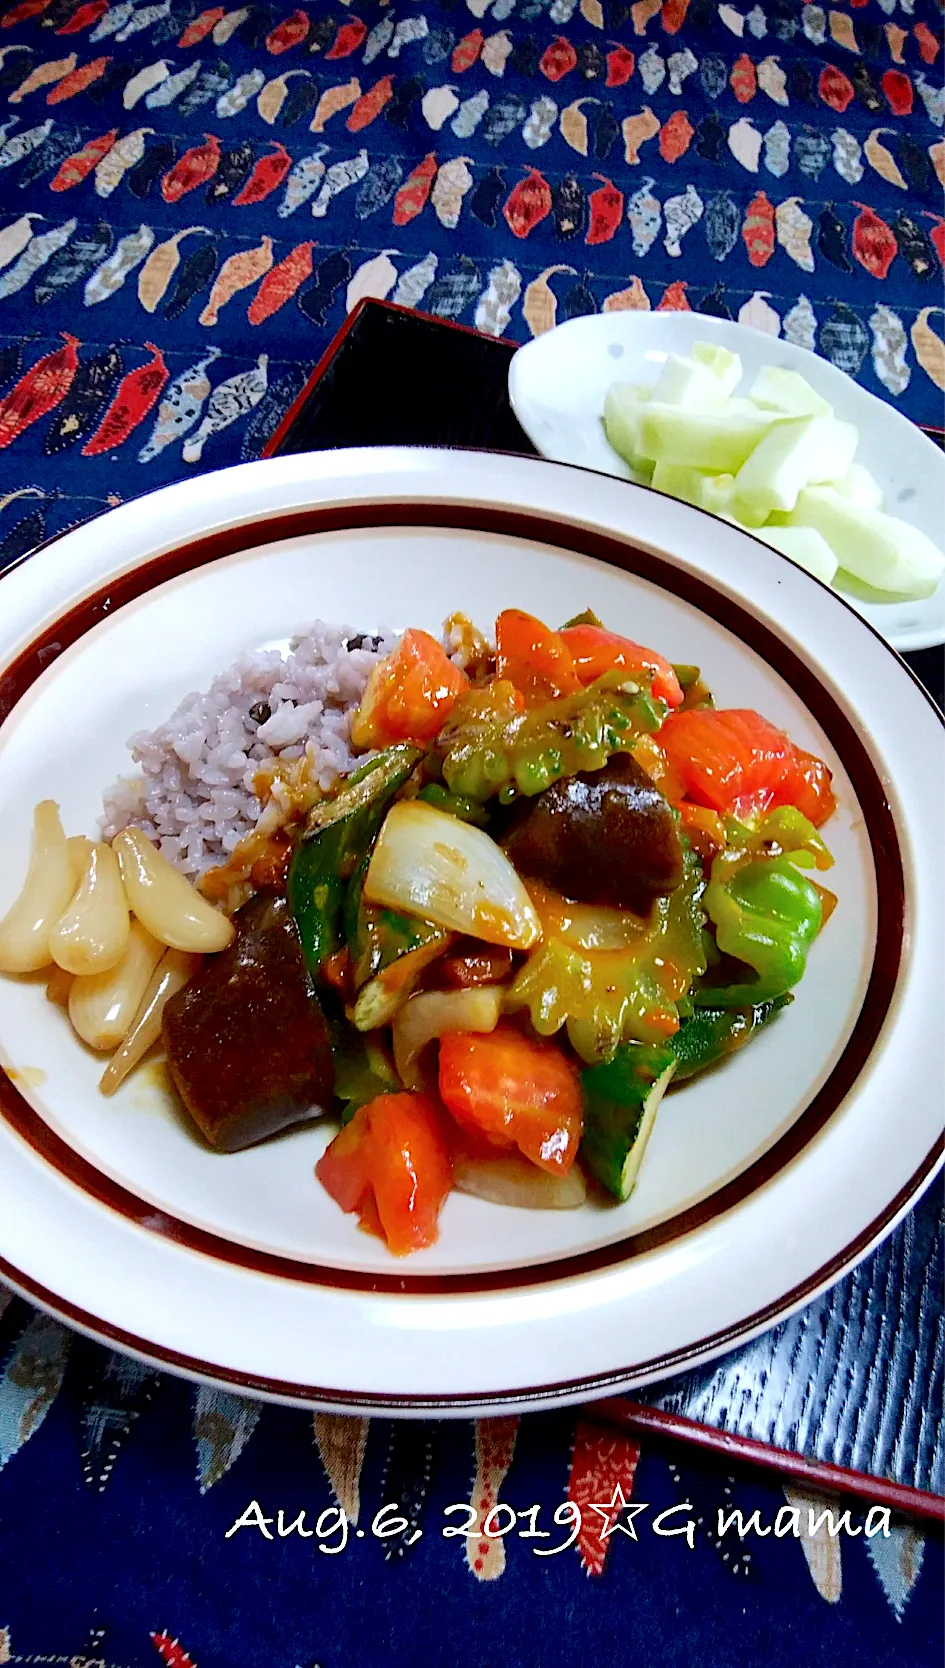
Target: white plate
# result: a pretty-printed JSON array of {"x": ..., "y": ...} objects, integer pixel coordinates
[
  {"x": 557, "y": 385},
  {"x": 762, "y": 1183}
]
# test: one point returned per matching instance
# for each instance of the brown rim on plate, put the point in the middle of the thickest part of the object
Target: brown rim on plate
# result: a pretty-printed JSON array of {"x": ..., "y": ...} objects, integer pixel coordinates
[
  {"x": 618, "y": 1378},
  {"x": 887, "y": 860}
]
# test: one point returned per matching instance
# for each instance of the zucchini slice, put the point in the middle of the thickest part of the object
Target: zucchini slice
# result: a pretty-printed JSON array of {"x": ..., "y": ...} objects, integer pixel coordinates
[{"x": 621, "y": 1099}]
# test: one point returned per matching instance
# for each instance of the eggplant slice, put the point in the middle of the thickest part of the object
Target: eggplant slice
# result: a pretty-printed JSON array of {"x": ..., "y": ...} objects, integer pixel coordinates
[
  {"x": 247, "y": 1043},
  {"x": 603, "y": 837}
]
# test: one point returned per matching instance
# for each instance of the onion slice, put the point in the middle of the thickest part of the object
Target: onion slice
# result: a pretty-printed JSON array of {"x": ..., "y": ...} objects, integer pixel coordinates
[
  {"x": 508, "y": 1179},
  {"x": 431, "y": 1015},
  {"x": 431, "y": 864}
]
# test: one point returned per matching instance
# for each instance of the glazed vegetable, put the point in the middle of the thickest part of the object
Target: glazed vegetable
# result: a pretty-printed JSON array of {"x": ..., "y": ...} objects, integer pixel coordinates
[
  {"x": 172, "y": 973},
  {"x": 514, "y": 1090},
  {"x": 92, "y": 934},
  {"x": 448, "y": 872},
  {"x": 621, "y": 1098},
  {"x": 338, "y": 840},
  {"x": 595, "y": 651},
  {"x": 781, "y": 831},
  {"x": 492, "y": 746},
  {"x": 509, "y": 1179},
  {"x": 468, "y": 963},
  {"x": 608, "y": 995},
  {"x": 622, "y": 1095},
  {"x": 766, "y": 913},
  {"x": 601, "y": 837},
  {"x": 533, "y": 658},
  {"x": 164, "y": 900},
  {"x": 363, "y": 1070},
  {"x": 602, "y": 996},
  {"x": 457, "y": 804},
  {"x": 388, "y": 952},
  {"x": 377, "y": 938},
  {"x": 587, "y": 926},
  {"x": 409, "y": 694},
  {"x": 433, "y": 1013},
  {"x": 712, "y": 1034},
  {"x": 391, "y": 1165},
  {"x": 47, "y": 891},
  {"x": 704, "y": 830},
  {"x": 103, "y": 1005},
  {"x": 466, "y": 641},
  {"x": 247, "y": 1042},
  {"x": 739, "y": 764},
  {"x": 695, "y": 692},
  {"x": 382, "y": 996}
]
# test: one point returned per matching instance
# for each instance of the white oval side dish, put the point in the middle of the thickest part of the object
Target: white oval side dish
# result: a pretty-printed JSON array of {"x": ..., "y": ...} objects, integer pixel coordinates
[{"x": 558, "y": 383}]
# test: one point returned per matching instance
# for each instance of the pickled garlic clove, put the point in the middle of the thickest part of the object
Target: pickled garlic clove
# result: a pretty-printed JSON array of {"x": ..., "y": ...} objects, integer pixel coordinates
[
  {"x": 46, "y": 893},
  {"x": 164, "y": 900},
  {"x": 175, "y": 969},
  {"x": 92, "y": 935},
  {"x": 102, "y": 1006},
  {"x": 80, "y": 848}
]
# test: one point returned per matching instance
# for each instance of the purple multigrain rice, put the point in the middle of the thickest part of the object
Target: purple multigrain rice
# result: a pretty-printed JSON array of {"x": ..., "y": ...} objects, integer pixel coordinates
[{"x": 194, "y": 796}]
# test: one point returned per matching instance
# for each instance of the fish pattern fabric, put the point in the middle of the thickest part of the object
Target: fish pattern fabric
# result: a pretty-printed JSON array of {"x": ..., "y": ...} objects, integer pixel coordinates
[
  {"x": 243, "y": 176},
  {"x": 503, "y": 1538}
]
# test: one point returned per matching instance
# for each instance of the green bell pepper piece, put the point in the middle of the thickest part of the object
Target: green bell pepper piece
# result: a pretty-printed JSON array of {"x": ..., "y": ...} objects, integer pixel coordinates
[
  {"x": 696, "y": 695},
  {"x": 457, "y": 804},
  {"x": 363, "y": 1071},
  {"x": 712, "y": 1034},
  {"x": 378, "y": 937},
  {"x": 778, "y": 834},
  {"x": 340, "y": 834},
  {"x": 766, "y": 913}
]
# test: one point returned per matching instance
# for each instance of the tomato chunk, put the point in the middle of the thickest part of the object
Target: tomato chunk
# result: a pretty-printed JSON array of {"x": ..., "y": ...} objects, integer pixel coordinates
[
  {"x": 737, "y": 763},
  {"x": 410, "y": 695},
  {"x": 595, "y": 651},
  {"x": 533, "y": 657},
  {"x": 392, "y": 1165},
  {"x": 517, "y": 1091}
]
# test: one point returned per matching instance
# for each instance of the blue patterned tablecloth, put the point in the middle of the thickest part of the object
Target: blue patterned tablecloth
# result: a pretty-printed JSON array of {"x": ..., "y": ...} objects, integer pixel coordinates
[
  {"x": 122, "y": 1491},
  {"x": 194, "y": 198},
  {"x": 191, "y": 200}
]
